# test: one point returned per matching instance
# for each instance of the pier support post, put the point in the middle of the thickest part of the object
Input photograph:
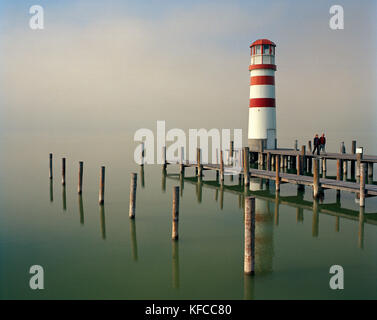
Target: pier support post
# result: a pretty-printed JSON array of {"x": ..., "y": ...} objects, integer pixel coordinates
[
  {"x": 81, "y": 169},
  {"x": 221, "y": 167},
  {"x": 295, "y": 145},
  {"x": 353, "y": 151},
  {"x": 324, "y": 166},
  {"x": 316, "y": 179},
  {"x": 198, "y": 161},
  {"x": 231, "y": 151},
  {"x": 298, "y": 165},
  {"x": 50, "y": 166},
  {"x": 63, "y": 171},
  {"x": 249, "y": 246},
  {"x": 345, "y": 169},
  {"x": 310, "y": 164},
  {"x": 303, "y": 158},
  {"x": 338, "y": 169},
  {"x": 269, "y": 161},
  {"x": 174, "y": 235},
  {"x": 133, "y": 187},
  {"x": 247, "y": 166},
  {"x": 310, "y": 146},
  {"x": 101, "y": 197},
  {"x": 362, "y": 183},
  {"x": 370, "y": 170},
  {"x": 359, "y": 156},
  {"x": 277, "y": 177},
  {"x": 164, "y": 162}
]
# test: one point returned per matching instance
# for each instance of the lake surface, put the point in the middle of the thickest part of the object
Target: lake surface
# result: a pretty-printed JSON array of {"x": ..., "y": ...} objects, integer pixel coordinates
[{"x": 93, "y": 252}]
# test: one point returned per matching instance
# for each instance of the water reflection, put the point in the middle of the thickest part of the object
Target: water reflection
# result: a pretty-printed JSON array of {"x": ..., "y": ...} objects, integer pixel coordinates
[
  {"x": 142, "y": 177},
  {"x": 175, "y": 262},
  {"x": 361, "y": 228},
  {"x": 51, "y": 191},
  {"x": 64, "y": 196},
  {"x": 163, "y": 180},
  {"x": 315, "y": 221},
  {"x": 81, "y": 209},
  {"x": 248, "y": 287},
  {"x": 133, "y": 239},
  {"x": 102, "y": 221}
]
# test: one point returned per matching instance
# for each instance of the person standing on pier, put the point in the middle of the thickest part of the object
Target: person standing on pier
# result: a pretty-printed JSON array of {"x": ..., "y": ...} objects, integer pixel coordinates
[
  {"x": 322, "y": 143},
  {"x": 316, "y": 143}
]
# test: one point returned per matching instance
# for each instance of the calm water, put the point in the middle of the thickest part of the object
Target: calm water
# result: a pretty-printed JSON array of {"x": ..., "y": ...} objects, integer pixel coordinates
[{"x": 90, "y": 253}]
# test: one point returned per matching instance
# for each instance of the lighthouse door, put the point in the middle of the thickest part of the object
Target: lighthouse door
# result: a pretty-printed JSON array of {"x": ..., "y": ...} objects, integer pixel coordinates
[{"x": 271, "y": 136}]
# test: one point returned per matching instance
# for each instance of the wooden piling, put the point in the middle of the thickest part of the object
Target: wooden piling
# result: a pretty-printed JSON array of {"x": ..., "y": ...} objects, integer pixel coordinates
[
  {"x": 362, "y": 183},
  {"x": 249, "y": 245},
  {"x": 246, "y": 166},
  {"x": 298, "y": 165},
  {"x": 133, "y": 187},
  {"x": 316, "y": 178},
  {"x": 50, "y": 166},
  {"x": 231, "y": 151},
  {"x": 221, "y": 167},
  {"x": 102, "y": 186},
  {"x": 324, "y": 165},
  {"x": 277, "y": 178},
  {"x": 359, "y": 156},
  {"x": 345, "y": 169},
  {"x": 268, "y": 161},
  {"x": 63, "y": 171},
  {"x": 175, "y": 213},
  {"x": 353, "y": 151},
  {"x": 310, "y": 146},
  {"x": 81, "y": 169},
  {"x": 338, "y": 170},
  {"x": 198, "y": 161},
  {"x": 295, "y": 145},
  {"x": 303, "y": 158}
]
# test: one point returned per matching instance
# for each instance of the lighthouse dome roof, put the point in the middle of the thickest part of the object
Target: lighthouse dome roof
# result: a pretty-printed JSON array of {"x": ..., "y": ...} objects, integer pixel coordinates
[{"x": 262, "y": 41}]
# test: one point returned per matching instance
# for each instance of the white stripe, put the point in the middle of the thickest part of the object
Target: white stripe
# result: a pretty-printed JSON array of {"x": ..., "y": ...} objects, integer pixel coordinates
[
  {"x": 262, "y": 72},
  {"x": 262, "y": 91}
]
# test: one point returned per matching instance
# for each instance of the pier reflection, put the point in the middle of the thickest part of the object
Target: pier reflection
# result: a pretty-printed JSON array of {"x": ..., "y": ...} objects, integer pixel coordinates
[{"x": 133, "y": 239}]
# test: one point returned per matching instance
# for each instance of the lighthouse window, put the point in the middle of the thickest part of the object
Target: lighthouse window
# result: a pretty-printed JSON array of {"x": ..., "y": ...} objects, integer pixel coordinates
[
  {"x": 258, "y": 49},
  {"x": 265, "y": 49}
]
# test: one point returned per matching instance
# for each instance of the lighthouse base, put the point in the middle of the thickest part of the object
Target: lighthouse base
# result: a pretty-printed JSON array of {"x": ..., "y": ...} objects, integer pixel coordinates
[{"x": 258, "y": 145}]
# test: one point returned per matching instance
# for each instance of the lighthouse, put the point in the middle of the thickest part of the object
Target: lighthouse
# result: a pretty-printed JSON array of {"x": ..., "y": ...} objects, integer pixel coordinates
[{"x": 262, "y": 106}]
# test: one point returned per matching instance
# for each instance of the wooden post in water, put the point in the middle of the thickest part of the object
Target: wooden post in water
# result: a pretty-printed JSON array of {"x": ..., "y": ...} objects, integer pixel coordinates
[
  {"x": 359, "y": 156},
  {"x": 246, "y": 166},
  {"x": 174, "y": 235},
  {"x": 81, "y": 169},
  {"x": 362, "y": 183},
  {"x": 63, "y": 171},
  {"x": 316, "y": 178},
  {"x": 50, "y": 166},
  {"x": 198, "y": 161},
  {"x": 249, "y": 245},
  {"x": 102, "y": 186},
  {"x": 310, "y": 146},
  {"x": 303, "y": 159},
  {"x": 133, "y": 187},
  {"x": 298, "y": 165},
  {"x": 277, "y": 178},
  {"x": 353, "y": 151},
  {"x": 295, "y": 145},
  {"x": 324, "y": 167},
  {"x": 338, "y": 169},
  {"x": 164, "y": 162},
  {"x": 268, "y": 161}
]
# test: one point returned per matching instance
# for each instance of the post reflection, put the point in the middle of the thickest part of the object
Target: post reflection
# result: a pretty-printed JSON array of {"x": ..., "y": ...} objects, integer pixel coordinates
[
  {"x": 163, "y": 180},
  {"x": 81, "y": 209},
  {"x": 199, "y": 189},
  {"x": 133, "y": 239},
  {"x": 361, "y": 228},
  {"x": 315, "y": 219},
  {"x": 102, "y": 221},
  {"x": 181, "y": 182},
  {"x": 175, "y": 262},
  {"x": 51, "y": 191},
  {"x": 248, "y": 287},
  {"x": 142, "y": 180},
  {"x": 64, "y": 196}
]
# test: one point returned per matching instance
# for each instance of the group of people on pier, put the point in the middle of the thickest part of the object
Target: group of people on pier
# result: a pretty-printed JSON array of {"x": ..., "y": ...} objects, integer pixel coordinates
[{"x": 319, "y": 144}]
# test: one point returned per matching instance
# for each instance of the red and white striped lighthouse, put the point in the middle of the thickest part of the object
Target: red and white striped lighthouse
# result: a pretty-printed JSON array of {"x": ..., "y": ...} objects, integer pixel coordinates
[{"x": 262, "y": 107}]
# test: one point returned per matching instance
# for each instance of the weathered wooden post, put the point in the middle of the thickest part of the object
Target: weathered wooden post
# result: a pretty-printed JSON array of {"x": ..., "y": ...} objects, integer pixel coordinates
[
  {"x": 133, "y": 187},
  {"x": 63, "y": 171},
  {"x": 81, "y": 170},
  {"x": 338, "y": 170},
  {"x": 221, "y": 167},
  {"x": 198, "y": 161},
  {"x": 316, "y": 179},
  {"x": 362, "y": 184},
  {"x": 174, "y": 235},
  {"x": 102, "y": 186},
  {"x": 164, "y": 161},
  {"x": 353, "y": 151},
  {"x": 268, "y": 161},
  {"x": 295, "y": 145},
  {"x": 324, "y": 166},
  {"x": 249, "y": 245},
  {"x": 345, "y": 169},
  {"x": 298, "y": 165},
  {"x": 303, "y": 158},
  {"x": 370, "y": 170},
  {"x": 247, "y": 166},
  {"x": 359, "y": 156},
  {"x": 277, "y": 177},
  {"x": 231, "y": 151},
  {"x": 50, "y": 167},
  {"x": 310, "y": 145}
]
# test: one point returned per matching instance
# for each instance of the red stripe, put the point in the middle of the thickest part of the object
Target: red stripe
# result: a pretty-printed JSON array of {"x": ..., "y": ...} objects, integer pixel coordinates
[
  {"x": 262, "y": 66},
  {"x": 262, "y": 80},
  {"x": 262, "y": 103}
]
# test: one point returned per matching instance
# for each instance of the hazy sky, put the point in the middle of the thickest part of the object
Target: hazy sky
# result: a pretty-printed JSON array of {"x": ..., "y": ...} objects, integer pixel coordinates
[{"x": 119, "y": 65}]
